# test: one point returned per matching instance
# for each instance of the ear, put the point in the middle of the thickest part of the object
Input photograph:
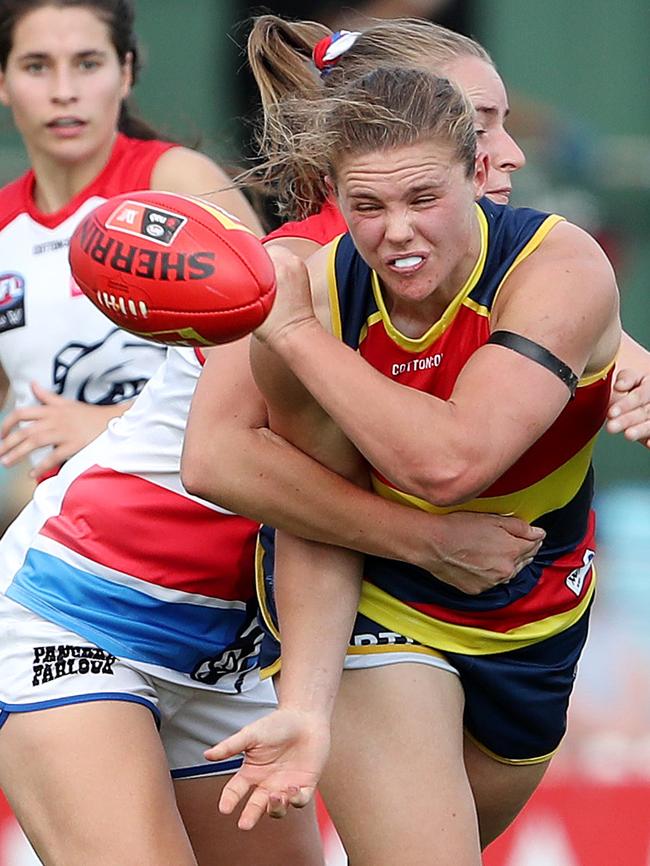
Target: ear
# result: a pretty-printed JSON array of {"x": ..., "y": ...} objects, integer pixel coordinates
[
  {"x": 4, "y": 96},
  {"x": 330, "y": 183},
  {"x": 481, "y": 167},
  {"x": 127, "y": 75}
]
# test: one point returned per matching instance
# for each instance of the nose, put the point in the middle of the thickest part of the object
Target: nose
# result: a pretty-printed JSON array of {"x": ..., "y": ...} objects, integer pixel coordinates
[
  {"x": 398, "y": 227},
  {"x": 507, "y": 155},
  {"x": 63, "y": 86}
]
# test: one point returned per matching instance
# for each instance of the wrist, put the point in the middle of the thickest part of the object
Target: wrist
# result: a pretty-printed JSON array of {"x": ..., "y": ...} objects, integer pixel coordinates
[
  {"x": 425, "y": 542},
  {"x": 293, "y": 336}
]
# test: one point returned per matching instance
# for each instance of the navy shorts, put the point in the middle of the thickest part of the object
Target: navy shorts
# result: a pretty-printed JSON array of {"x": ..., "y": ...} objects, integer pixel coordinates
[{"x": 516, "y": 702}]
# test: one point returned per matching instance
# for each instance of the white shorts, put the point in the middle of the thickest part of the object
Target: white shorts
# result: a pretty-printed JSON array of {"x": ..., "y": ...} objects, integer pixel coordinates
[{"x": 43, "y": 665}]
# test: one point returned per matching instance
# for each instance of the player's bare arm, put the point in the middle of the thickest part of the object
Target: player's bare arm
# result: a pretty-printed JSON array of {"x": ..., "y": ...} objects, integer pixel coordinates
[
  {"x": 282, "y": 764},
  {"x": 507, "y": 397}
]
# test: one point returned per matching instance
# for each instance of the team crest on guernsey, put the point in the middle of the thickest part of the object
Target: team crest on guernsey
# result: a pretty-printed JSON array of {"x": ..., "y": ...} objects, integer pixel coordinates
[
  {"x": 12, "y": 301},
  {"x": 143, "y": 221}
]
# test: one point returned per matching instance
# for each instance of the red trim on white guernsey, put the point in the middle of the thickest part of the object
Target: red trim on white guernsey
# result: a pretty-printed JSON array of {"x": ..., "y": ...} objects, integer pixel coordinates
[
  {"x": 133, "y": 526},
  {"x": 129, "y": 167}
]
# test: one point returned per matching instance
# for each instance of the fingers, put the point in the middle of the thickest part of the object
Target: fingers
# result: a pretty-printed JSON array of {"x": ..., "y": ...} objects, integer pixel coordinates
[
  {"x": 43, "y": 395},
  {"x": 233, "y": 793},
  {"x": 520, "y": 529},
  {"x": 16, "y": 447},
  {"x": 634, "y": 422},
  {"x": 228, "y": 748},
  {"x": 50, "y": 462},
  {"x": 626, "y": 380},
  {"x": 13, "y": 419},
  {"x": 258, "y": 803},
  {"x": 275, "y": 804}
]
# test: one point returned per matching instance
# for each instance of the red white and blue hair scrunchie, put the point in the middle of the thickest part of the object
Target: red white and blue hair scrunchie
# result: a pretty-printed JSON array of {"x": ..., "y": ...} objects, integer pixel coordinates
[{"x": 329, "y": 50}]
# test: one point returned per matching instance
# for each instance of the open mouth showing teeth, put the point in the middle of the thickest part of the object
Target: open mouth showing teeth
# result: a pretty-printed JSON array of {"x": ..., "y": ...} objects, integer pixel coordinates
[
  {"x": 66, "y": 122},
  {"x": 407, "y": 262}
]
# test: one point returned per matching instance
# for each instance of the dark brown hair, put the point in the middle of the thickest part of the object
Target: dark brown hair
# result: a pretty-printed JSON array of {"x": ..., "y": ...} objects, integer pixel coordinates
[{"x": 118, "y": 15}]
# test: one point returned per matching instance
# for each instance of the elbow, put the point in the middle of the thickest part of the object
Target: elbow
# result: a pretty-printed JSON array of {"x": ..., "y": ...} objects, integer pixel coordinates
[
  {"x": 448, "y": 480},
  {"x": 193, "y": 476}
]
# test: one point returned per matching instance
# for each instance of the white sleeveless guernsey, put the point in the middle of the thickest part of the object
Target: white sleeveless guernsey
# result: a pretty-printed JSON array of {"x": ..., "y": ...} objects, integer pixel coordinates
[
  {"x": 115, "y": 549},
  {"x": 49, "y": 332}
]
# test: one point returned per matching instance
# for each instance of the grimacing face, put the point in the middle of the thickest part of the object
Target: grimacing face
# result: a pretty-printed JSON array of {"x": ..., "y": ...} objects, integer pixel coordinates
[
  {"x": 64, "y": 83},
  {"x": 411, "y": 213}
]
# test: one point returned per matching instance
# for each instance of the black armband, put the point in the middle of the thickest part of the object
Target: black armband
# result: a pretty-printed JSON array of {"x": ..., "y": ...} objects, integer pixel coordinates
[{"x": 530, "y": 349}]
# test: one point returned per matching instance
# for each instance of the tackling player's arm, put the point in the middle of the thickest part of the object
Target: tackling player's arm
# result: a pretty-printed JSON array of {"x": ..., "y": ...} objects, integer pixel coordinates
[
  {"x": 316, "y": 591},
  {"x": 447, "y": 452}
]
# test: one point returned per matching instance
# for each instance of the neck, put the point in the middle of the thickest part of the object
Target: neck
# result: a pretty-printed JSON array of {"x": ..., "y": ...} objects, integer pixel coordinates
[{"x": 57, "y": 183}]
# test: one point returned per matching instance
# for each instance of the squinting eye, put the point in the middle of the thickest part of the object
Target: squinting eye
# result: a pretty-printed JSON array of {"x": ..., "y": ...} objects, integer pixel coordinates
[
  {"x": 480, "y": 132},
  {"x": 89, "y": 64}
]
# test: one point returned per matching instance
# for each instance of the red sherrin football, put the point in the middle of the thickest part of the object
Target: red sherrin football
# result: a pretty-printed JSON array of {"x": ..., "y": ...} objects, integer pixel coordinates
[{"x": 172, "y": 268}]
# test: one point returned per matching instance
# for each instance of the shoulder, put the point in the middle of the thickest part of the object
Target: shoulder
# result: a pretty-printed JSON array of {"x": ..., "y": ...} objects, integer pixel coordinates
[
  {"x": 13, "y": 199},
  {"x": 570, "y": 247},
  {"x": 565, "y": 290},
  {"x": 319, "y": 228},
  {"x": 189, "y": 172},
  {"x": 179, "y": 168}
]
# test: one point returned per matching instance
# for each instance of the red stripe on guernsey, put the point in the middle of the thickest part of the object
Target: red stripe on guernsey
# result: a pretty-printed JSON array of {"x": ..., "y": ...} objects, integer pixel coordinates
[
  {"x": 434, "y": 370},
  {"x": 550, "y": 596},
  {"x": 127, "y": 523},
  {"x": 578, "y": 423}
]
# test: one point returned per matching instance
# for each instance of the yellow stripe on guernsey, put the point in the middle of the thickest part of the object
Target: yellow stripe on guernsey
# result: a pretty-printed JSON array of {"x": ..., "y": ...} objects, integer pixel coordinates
[
  {"x": 335, "y": 308},
  {"x": 554, "y": 491},
  {"x": 549, "y": 223},
  {"x": 439, "y": 327},
  {"x": 261, "y": 590},
  {"x": 450, "y": 637}
]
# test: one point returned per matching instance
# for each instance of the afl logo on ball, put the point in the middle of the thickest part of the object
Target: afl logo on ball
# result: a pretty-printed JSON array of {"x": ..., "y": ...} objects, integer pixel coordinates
[
  {"x": 133, "y": 218},
  {"x": 12, "y": 301}
]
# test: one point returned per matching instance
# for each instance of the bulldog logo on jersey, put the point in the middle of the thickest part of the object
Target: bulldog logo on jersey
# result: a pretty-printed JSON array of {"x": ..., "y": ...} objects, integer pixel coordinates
[
  {"x": 237, "y": 659},
  {"x": 12, "y": 301},
  {"x": 156, "y": 224}
]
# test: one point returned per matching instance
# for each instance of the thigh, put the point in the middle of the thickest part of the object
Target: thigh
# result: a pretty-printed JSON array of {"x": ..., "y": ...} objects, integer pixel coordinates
[
  {"x": 217, "y": 841},
  {"x": 396, "y": 785},
  {"x": 89, "y": 783},
  {"x": 501, "y": 790}
]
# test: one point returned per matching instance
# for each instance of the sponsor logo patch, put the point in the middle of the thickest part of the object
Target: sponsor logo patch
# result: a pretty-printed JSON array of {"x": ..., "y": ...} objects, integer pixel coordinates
[
  {"x": 576, "y": 579},
  {"x": 156, "y": 224},
  {"x": 62, "y": 660},
  {"x": 12, "y": 301}
]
